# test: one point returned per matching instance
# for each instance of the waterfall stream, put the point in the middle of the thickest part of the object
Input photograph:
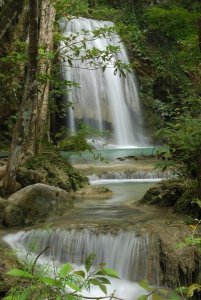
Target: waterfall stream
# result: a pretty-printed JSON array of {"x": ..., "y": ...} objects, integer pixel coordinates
[
  {"x": 129, "y": 176},
  {"x": 104, "y": 101},
  {"x": 124, "y": 251}
]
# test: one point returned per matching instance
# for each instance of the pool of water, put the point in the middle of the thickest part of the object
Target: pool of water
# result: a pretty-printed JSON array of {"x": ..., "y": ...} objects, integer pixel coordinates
[{"x": 109, "y": 154}]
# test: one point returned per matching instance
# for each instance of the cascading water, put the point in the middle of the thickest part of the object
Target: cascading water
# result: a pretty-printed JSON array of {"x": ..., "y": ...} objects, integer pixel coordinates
[
  {"x": 124, "y": 251},
  {"x": 103, "y": 100},
  {"x": 131, "y": 176}
]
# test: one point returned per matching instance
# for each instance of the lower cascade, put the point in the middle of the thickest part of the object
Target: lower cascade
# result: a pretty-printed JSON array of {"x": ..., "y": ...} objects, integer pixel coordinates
[
  {"x": 131, "y": 175},
  {"x": 74, "y": 246},
  {"x": 105, "y": 101},
  {"x": 125, "y": 252}
]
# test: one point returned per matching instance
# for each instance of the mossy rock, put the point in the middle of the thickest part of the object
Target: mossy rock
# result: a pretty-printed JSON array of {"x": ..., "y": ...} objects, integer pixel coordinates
[
  {"x": 189, "y": 203},
  {"x": 93, "y": 192},
  {"x": 35, "y": 204},
  {"x": 164, "y": 194},
  {"x": 50, "y": 168}
]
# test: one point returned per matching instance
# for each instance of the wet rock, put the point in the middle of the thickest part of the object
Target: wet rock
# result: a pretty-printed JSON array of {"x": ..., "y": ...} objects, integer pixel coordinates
[
  {"x": 164, "y": 194},
  {"x": 13, "y": 216},
  {"x": 170, "y": 264},
  {"x": 36, "y": 203},
  {"x": 50, "y": 169},
  {"x": 2, "y": 206},
  {"x": 2, "y": 171},
  {"x": 93, "y": 192}
]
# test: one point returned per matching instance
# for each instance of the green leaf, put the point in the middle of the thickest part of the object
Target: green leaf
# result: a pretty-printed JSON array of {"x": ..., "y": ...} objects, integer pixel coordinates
[
  {"x": 108, "y": 272},
  {"x": 65, "y": 269},
  {"x": 49, "y": 281},
  {"x": 89, "y": 261},
  {"x": 103, "y": 280},
  {"x": 80, "y": 273},
  {"x": 20, "y": 273},
  {"x": 73, "y": 286},
  {"x": 94, "y": 281},
  {"x": 192, "y": 288},
  {"x": 155, "y": 296},
  {"x": 103, "y": 288},
  {"x": 144, "y": 284},
  {"x": 174, "y": 296}
]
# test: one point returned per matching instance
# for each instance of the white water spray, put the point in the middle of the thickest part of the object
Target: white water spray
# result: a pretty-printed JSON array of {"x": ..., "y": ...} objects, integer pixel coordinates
[{"x": 103, "y": 99}]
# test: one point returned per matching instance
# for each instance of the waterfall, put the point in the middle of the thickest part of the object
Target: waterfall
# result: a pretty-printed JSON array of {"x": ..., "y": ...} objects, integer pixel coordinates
[
  {"x": 129, "y": 175},
  {"x": 125, "y": 251},
  {"x": 103, "y": 101}
]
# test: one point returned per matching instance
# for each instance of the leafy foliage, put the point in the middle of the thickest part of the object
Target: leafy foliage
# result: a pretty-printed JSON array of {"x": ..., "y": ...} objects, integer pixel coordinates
[
  {"x": 184, "y": 143},
  {"x": 64, "y": 283}
]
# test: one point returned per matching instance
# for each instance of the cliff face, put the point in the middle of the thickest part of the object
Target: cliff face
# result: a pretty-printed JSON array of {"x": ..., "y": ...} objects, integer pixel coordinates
[{"x": 169, "y": 264}]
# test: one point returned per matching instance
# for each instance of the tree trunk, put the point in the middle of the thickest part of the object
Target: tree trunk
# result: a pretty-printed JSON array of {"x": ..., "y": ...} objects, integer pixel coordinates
[
  {"x": 46, "y": 43},
  {"x": 25, "y": 126}
]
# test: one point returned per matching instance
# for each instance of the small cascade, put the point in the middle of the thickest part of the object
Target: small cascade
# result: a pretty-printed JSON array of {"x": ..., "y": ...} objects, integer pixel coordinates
[
  {"x": 125, "y": 252},
  {"x": 129, "y": 175},
  {"x": 103, "y": 101}
]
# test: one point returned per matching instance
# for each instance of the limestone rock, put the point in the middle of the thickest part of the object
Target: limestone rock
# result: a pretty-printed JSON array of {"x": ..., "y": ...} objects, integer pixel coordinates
[
  {"x": 2, "y": 171},
  {"x": 36, "y": 203},
  {"x": 94, "y": 192},
  {"x": 169, "y": 264},
  {"x": 2, "y": 206},
  {"x": 164, "y": 194}
]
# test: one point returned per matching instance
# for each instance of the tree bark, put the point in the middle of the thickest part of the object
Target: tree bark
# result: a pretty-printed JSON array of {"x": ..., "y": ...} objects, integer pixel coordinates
[
  {"x": 46, "y": 43},
  {"x": 25, "y": 126}
]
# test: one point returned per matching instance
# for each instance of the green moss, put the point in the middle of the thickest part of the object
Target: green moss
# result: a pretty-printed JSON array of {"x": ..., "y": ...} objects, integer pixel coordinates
[
  {"x": 186, "y": 203},
  {"x": 50, "y": 168}
]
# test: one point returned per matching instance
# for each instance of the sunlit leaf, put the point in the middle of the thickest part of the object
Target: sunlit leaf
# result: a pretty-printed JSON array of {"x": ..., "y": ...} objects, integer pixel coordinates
[
  {"x": 193, "y": 288},
  {"x": 20, "y": 273},
  {"x": 80, "y": 273},
  {"x": 144, "y": 284},
  {"x": 89, "y": 261},
  {"x": 65, "y": 269},
  {"x": 73, "y": 286},
  {"x": 109, "y": 272}
]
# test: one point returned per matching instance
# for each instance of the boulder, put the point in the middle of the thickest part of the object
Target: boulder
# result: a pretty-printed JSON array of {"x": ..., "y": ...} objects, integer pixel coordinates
[
  {"x": 34, "y": 204},
  {"x": 2, "y": 171},
  {"x": 164, "y": 194},
  {"x": 2, "y": 206}
]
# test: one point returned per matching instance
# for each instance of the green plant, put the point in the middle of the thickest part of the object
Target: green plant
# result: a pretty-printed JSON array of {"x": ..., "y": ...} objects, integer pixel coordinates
[
  {"x": 34, "y": 282},
  {"x": 194, "y": 241}
]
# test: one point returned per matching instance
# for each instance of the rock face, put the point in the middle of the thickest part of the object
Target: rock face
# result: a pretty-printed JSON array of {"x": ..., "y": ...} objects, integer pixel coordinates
[
  {"x": 2, "y": 206},
  {"x": 34, "y": 204},
  {"x": 164, "y": 194},
  {"x": 180, "y": 195},
  {"x": 171, "y": 262},
  {"x": 50, "y": 169}
]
